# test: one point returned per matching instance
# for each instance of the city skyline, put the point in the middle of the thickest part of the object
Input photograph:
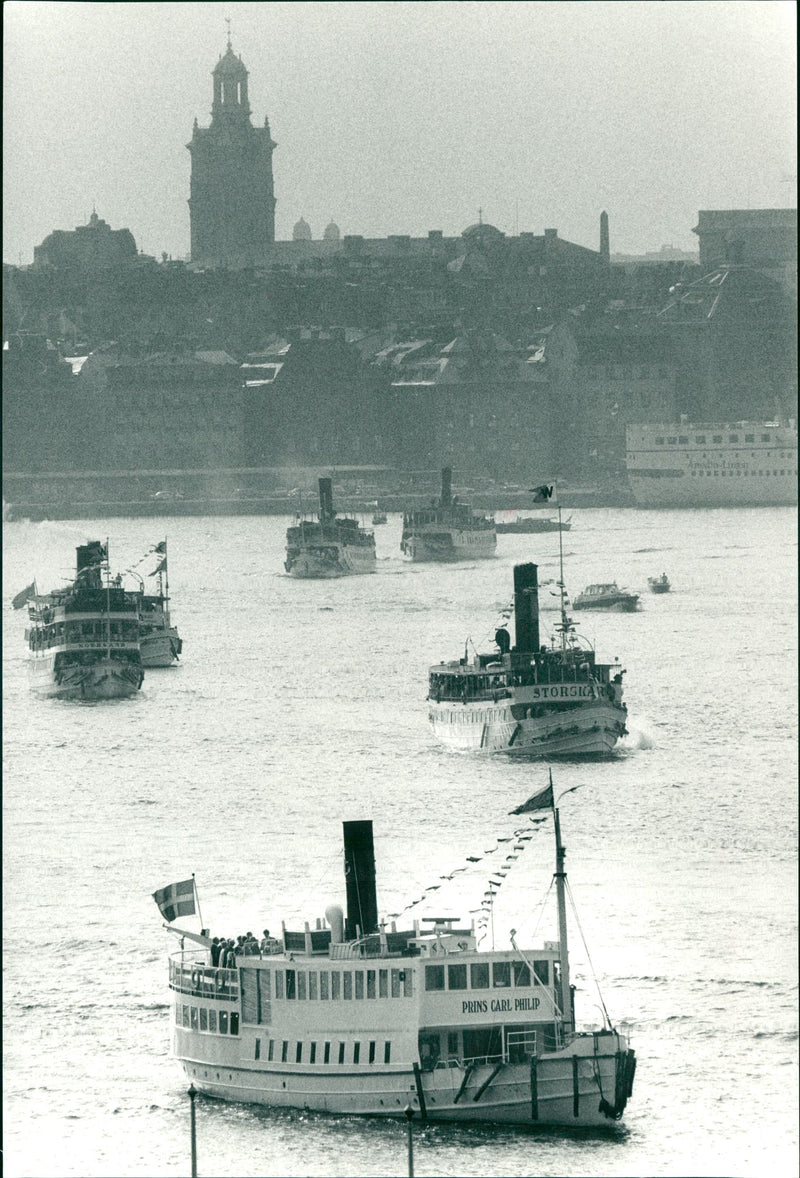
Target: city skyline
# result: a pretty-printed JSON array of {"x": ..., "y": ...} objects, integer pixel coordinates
[{"x": 405, "y": 117}]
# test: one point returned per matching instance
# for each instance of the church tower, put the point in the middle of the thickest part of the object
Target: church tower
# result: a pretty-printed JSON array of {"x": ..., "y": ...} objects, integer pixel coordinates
[{"x": 232, "y": 201}]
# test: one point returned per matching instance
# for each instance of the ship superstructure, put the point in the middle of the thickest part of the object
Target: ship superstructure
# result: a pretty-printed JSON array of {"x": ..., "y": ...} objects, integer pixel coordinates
[
  {"x": 448, "y": 530},
  {"x": 330, "y": 545}
]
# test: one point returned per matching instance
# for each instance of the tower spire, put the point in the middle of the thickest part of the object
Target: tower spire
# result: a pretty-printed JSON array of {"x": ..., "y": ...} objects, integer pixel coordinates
[{"x": 228, "y": 23}]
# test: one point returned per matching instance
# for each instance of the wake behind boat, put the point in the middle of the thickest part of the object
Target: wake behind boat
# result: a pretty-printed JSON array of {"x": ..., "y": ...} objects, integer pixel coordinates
[
  {"x": 330, "y": 546},
  {"x": 352, "y": 1017},
  {"x": 83, "y": 641},
  {"x": 448, "y": 530},
  {"x": 532, "y": 699}
]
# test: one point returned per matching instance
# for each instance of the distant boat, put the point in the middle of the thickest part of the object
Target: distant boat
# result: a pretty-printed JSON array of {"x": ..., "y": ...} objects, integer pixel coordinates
[
  {"x": 83, "y": 641},
  {"x": 529, "y": 524},
  {"x": 159, "y": 642},
  {"x": 448, "y": 530},
  {"x": 659, "y": 584},
  {"x": 379, "y": 517},
  {"x": 606, "y": 596},
  {"x": 329, "y": 546}
]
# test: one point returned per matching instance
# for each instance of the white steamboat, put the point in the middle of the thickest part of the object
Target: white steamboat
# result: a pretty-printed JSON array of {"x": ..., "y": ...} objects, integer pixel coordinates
[
  {"x": 329, "y": 546},
  {"x": 83, "y": 641},
  {"x": 532, "y": 699},
  {"x": 743, "y": 463},
  {"x": 368, "y": 1021},
  {"x": 159, "y": 642},
  {"x": 448, "y": 530}
]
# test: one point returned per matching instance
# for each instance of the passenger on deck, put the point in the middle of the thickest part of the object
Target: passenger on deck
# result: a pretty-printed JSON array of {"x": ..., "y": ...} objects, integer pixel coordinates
[
  {"x": 216, "y": 950},
  {"x": 269, "y": 944}
]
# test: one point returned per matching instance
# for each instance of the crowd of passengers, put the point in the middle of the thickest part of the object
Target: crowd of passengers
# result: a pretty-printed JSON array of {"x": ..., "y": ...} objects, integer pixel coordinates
[{"x": 225, "y": 951}]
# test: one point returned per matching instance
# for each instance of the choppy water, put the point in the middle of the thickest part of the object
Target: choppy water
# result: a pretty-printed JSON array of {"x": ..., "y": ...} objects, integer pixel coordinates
[{"x": 301, "y": 704}]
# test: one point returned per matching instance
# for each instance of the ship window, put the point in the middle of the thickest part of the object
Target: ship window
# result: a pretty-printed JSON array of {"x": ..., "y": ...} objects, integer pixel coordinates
[
  {"x": 279, "y": 983},
  {"x": 372, "y": 1051},
  {"x": 659, "y": 441},
  {"x": 356, "y": 1052},
  {"x": 383, "y": 983},
  {"x": 186, "y": 1016},
  {"x": 234, "y": 1022},
  {"x": 291, "y": 984},
  {"x": 335, "y": 980},
  {"x": 733, "y": 437},
  {"x": 671, "y": 441},
  {"x": 312, "y": 985},
  {"x": 749, "y": 437},
  {"x": 395, "y": 983},
  {"x": 347, "y": 984},
  {"x": 501, "y": 974},
  {"x": 359, "y": 975},
  {"x": 323, "y": 984},
  {"x": 542, "y": 971},
  {"x": 313, "y": 1054},
  {"x": 434, "y": 977},
  {"x": 683, "y": 440},
  {"x": 271, "y": 1050},
  {"x": 429, "y": 1051},
  {"x": 370, "y": 983},
  {"x": 257, "y": 1051},
  {"x": 408, "y": 982},
  {"x": 223, "y": 1022},
  {"x": 301, "y": 984},
  {"x": 284, "y": 1051},
  {"x": 452, "y": 1044},
  {"x": 264, "y": 983},
  {"x": 456, "y": 977},
  {"x": 700, "y": 439},
  {"x": 479, "y": 1044},
  {"x": 212, "y": 1021},
  {"x": 522, "y": 974},
  {"x": 479, "y": 976},
  {"x": 326, "y": 1055},
  {"x": 387, "y": 1053},
  {"x": 298, "y": 1054},
  {"x": 203, "y": 1019},
  {"x": 717, "y": 438},
  {"x": 765, "y": 437},
  {"x": 194, "y": 1018},
  {"x": 341, "y": 1053}
]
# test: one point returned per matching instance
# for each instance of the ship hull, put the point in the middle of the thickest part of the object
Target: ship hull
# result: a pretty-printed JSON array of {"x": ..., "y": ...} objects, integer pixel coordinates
[
  {"x": 332, "y": 560},
  {"x": 582, "y": 1086},
  {"x": 591, "y": 730},
  {"x": 160, "y": 649},
  {"x": 453, "y": 544},
  {"x": 100, "y": 681}
]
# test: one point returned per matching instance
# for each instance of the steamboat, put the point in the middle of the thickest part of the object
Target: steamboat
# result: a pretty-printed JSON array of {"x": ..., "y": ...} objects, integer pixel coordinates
[
  {"x": 742, "y": 463},
  {"x": 329, "y": 546},
  {"x": 83, "y": 640},
  {"x": 352, "y": 1017},
  {"x": 532, "y": 699},
  {"x": 448, "y": 530},
  {"x": 159, "y": 642}
]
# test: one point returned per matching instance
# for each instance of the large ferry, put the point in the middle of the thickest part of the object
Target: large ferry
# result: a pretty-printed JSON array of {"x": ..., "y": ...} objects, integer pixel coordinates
[
  {"x": 448, "y": 530},
  {"x": 330, "y": 546},
  {"x": 743, "y": 463},
  {"x": 352, "y": 1017},
  {"x": 83, "y": 641},
  {"x": 159, "y": 642},
  {"x": 532, "y": 699}
]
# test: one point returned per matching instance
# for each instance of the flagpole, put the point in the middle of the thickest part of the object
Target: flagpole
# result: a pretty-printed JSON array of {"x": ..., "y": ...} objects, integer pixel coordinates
[
  {"x": 197, "y": 901},
  {"x": 561, "y": 876}
]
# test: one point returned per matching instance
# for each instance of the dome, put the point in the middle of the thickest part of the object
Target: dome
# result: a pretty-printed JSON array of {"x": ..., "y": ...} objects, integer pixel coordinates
[
  {"x": 301, "y": 231},
  {"x": 332, "y": 232},
  {"x": 230, "y": 65},
  {"x": 483, "y": 232}
]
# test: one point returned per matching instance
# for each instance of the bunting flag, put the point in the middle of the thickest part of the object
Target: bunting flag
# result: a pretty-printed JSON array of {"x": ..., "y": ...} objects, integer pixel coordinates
[
  {"x": 161, "y": 548},
  {"x": 176, "y": 900},
  {"x": 541, "y": 801},
  {"x": 21, "y": 599},
  {"x": 546, "y": 493},
  {"x": 160, "y": 567}
]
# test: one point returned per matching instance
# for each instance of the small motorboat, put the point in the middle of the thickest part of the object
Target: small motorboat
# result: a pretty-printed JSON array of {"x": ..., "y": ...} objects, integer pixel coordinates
[
  {"x": 659, "y": 584},
  {"x": 606, "y": 596}
]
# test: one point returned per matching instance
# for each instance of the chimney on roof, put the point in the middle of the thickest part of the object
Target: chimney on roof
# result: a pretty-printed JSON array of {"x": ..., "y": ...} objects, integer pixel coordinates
[{"x": 605, "y": 253}]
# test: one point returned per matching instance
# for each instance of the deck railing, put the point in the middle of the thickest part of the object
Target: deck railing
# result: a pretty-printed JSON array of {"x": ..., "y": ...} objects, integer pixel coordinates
[{"x": 204, "y": 981}]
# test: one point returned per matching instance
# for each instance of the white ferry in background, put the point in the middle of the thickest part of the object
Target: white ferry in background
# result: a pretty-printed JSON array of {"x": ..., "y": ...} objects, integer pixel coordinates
[
  {"x": 83, "y": 641},
  {"x": 529, "y": 700},
  {"x": 448, "y": 530},
  {"x": 743, "y": 463},
  {"x": 329, "y": 546},
  {"x": 352, "y": 1017},
  {"x": 160, "y": 644}
]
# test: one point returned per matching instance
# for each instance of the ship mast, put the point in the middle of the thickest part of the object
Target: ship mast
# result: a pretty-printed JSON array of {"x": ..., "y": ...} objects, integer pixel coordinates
[{"x": 561, "y": 879}]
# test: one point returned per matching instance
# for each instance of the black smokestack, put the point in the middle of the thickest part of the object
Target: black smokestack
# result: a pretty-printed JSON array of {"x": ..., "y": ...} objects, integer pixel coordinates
[
  {"x": 526, "y": 606},
  {"x": 89, "y": 559},
  {"x": 447, "y": 486},
  {"x": 359, "y": 873},
  {"x": 326, "y": 499}
]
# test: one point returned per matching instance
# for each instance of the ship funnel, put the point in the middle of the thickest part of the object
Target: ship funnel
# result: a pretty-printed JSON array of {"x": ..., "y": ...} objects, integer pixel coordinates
[
  {"x": 447, "y": 486},
  {"x": 335, "y": 919},
  {"x": 89, "y": 559},
  {"x": 326, "y": 499},
  {"x": 359, "y": 873},
  {"x": 526, "y": 606}
]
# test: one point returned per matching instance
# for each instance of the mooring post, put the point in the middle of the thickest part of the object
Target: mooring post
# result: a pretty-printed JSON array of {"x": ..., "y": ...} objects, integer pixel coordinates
[
  {"x": 192, "y": 1129},
  {"x": 410, "y": 1118}
]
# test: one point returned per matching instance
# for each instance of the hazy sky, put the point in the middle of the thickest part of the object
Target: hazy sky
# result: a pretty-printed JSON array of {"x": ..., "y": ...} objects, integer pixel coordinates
[{"x": 395, "y": 117}]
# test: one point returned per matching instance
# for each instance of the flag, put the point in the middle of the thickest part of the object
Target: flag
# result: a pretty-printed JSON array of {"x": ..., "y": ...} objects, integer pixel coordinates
[
  {"x": 541, "y": 801},
  {"x": 160, "y": 567},
  {"x": 176, "y": 900},
  {"x": 23, "y": 596},
  {"x": 544, "y": 494},
  {"x": 161, "y": 548}
]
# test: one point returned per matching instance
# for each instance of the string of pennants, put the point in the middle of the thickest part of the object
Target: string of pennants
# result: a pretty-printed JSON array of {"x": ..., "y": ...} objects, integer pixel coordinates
[
  {"x": 161, "y": 550},
  {"x": 520, "y": 839}
]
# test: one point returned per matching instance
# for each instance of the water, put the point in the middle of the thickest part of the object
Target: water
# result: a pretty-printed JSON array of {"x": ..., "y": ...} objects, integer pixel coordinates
[{"x": 301, "y": 704}]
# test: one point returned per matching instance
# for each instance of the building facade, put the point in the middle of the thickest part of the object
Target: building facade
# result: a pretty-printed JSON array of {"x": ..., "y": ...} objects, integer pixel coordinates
[{"x": 232, "y": 200}]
